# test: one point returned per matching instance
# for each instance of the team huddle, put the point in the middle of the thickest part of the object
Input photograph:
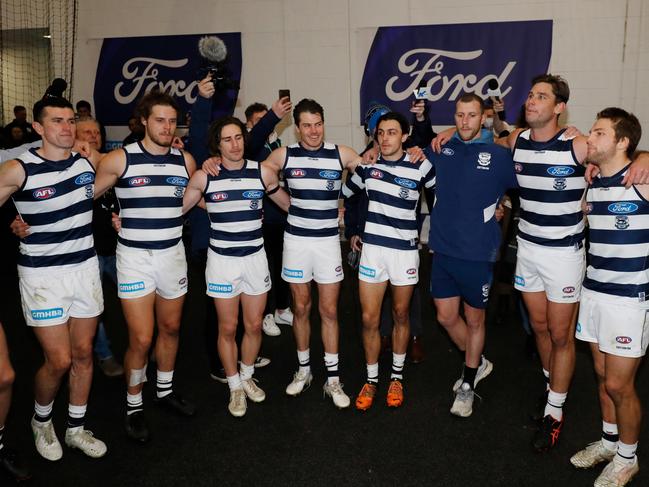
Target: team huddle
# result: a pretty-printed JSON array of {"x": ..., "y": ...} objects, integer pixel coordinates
[{"x": 466, "y": 173}]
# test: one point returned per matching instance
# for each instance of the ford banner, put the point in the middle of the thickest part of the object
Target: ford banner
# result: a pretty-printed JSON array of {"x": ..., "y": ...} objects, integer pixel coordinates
[
  {"x": 129, "y": 67},
  {"x": 448, "y": 60}
]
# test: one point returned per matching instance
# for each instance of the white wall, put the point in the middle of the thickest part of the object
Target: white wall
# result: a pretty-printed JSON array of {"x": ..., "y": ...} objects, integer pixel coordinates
[{"x": 318, "y": 48}]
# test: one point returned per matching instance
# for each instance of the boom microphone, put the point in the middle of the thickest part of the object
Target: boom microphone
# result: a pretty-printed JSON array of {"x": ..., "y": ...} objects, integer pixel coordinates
[
  {"x": 213, "y": 49},
  {"x": 494, "y": 91}
]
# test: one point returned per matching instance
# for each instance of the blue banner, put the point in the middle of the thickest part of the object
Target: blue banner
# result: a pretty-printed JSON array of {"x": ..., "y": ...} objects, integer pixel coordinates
[
  {"x": 452, "y": 59},
  {"x": 131, "y": 66}
]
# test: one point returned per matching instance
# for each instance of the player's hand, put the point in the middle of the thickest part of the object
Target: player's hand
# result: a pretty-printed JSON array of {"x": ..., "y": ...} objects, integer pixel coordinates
[
  {"x": 117, "y": 222},
  {"x": 282, "y": 106},
  {"x": 356, "y": 243},
  {"x": 591, "y": 173},
  {"x": 206, "y": 87},
  {"x": 370, "y": 156},
  {"x": 572, "y": 132},
  {"x": 177, "y": 143},
  {"x": 638, "y": 172},
  {"x": 441, "y": 139},
  {"x": 499, "y": 105},
  {"x": 19, "y": 228},
  {"x": 212, "y": 166},
  {"x": 82, "y": 148},
  {"x": 415, "y": 154},
  {"x": 418, "y": 107},
  {"x": 500, "y": 212}
]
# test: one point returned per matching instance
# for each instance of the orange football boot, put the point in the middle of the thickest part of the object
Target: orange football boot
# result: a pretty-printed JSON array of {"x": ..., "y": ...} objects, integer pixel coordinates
[
  {"x": 366, "y": 397},
  {"x": 395, "y": 394}
]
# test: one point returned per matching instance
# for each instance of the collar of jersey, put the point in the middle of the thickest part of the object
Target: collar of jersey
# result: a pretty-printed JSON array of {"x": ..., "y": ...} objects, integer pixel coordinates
[
  {"x": 486, "y": 137},
  {"x": 392, "y": 163}
]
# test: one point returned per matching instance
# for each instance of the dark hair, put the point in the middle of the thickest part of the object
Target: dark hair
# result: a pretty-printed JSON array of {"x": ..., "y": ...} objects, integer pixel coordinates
[
  {"x": 560, "y": 88},
  {"x": 49, "y": 101},
  {"x": 214, "y": 134},
  {"x": 152, "y": 98},
  {"x": 400, "y": 119},
  {"x": 307, "y": 105},
  {"x": 255, "y": 108},
  {"x": 19, "y": 108},
  {"x": 470, "y": 98},
  {"x": 83, "y": 104},
  {"x": 625, "y": 124}
]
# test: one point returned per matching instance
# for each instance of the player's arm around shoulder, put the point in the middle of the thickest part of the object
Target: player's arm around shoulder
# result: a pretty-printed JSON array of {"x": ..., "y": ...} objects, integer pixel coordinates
[
  {"x": 109, "y": 169},
  {"x": 349, "y": 157},
  {"x": 12, "y": 177},
  {"x": 275, "y": 160},
  {"x": 190, "y": 162},
  {"x": 195, "y": 189},
  {"x": 509, "y": 141}
]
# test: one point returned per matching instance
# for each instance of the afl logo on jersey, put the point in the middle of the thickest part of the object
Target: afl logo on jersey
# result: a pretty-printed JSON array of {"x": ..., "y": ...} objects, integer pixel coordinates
[
  {"x": 85, "y": 178},
  {"x": 44, "y": 193},
  {"x": 253, "y": 195},
  {"x": 376, "y": 174},
  {"x": 329, "y": 174},
  {"x": 298, "y": 173},
  {"x": 139, "y": 181},
  {"x": 447, "y": 151},
  {"x": 406, "y": 183},
  {"x": 518, "y": 167},
  {"x": 622, "y": 207},
  {"x": 177, "y": 181},
  {"x": 484, "y": 158},
  {"x": 219, "y": 196},
  {"x": 560, "y": 171}
]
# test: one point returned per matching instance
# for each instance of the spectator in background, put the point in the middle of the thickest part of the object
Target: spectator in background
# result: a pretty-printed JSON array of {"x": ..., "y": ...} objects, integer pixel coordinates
[
  {"x": 137, "y": 131},
  {"x": 20, "y": 120},
  {"x": 17, "y": 137},
  {"x": 84, "y": 111}
]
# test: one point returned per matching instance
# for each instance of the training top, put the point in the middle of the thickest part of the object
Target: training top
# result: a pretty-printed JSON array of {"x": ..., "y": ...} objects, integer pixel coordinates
[
  {"x": 552, "y": 185},
  {"x": 393, "y": 189},
  {"x": 472, "y": 177},
  {"x": 618, "y": 230},
  {"x": 234, "y": 201},
  {"x": 314, "y": 179},
  {"x": 55, "y": 200},
  {"x": 150, "y": 195}
]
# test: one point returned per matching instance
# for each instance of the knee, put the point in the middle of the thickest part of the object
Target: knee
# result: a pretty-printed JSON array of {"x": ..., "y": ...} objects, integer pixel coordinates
[
  {"x": 401, "y": 315},
  {"x": 561, "y": 337},
  {"x": 617, "y": 389},
  {"x": 254, "y": 327},
  {"x": 302, "y": 309},
  {"x": 59, "y": 364},
  {"x": 227, "y": 330},
  {"x": 7, "y": 377},
  {"x": 328, "y": 313},
  {"x": 447, "y": 320},
  {"x": 140, "y": 343},
  {"x": 169, "y": 327},
  {"x": 82, "y": 352}
]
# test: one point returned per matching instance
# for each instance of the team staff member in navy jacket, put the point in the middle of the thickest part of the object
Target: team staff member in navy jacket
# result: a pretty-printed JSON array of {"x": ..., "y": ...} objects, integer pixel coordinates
[{"x": 472, "y": 176}]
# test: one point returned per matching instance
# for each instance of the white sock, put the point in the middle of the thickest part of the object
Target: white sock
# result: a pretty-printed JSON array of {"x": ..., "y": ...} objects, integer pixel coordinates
[
  {"x": 43, "y": 411},
  {"x": 398, "y": 360},
  {"x": 303, "y": 358},
  {"x": 134, "y": 403},
  {"x": 373, "y": 373},
  {"x": 246, "y": 371},
  {"x": 234, "y": 382},
  {"x": 546, "y": 374},
  {"x": 76, "y": 415},
  {"x": 610, "y": 436},
  {"x": 625, "y": 452},
  {"x": 163, "y": 383},
  {"x": 331, "y": 362},
  {"x": 554, "y": 406}
]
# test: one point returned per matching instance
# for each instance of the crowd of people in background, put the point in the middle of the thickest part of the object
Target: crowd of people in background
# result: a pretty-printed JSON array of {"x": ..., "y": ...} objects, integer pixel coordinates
[{"x": 262, "y": 219}]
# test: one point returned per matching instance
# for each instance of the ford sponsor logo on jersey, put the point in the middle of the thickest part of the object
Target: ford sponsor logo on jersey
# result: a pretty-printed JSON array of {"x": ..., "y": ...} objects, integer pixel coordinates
[
  {"x": 329, "y": 174},
  {"x": 219, "y": 196},
  {"x": 298, "y": 173},
  {"x": 177, "y": 181},
  {"x": 85, "y": 178},
  {"x": 406, "y": 183},
  {"x": 376, "y": 174},
  {"x": 44, "y": 193},
  {"x": 623, "y": 340},
  {"x": 447, "y": 151},
  {"x": 253, "y": 195},
  {"x": 139, "y": 181},
  {"x": 622, "y": 207},
  {"x": 560, "y": 171}
]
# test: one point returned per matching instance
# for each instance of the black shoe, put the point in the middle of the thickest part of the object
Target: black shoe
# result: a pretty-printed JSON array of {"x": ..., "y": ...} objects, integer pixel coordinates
[
  {"x": 547, "y": 436},
  {"x": 175, "y": 403},
  {"x": 136, "y": 428},
  {"x": 219, "y": 375},
  {"x": 12, "y": 464},
  {"x": 538, "y": 413}
]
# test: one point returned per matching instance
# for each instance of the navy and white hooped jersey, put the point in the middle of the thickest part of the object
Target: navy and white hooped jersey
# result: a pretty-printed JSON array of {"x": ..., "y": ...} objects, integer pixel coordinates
[
  {"x": 314, "y": 179},
  {"x": 234, "y": 201},
  {"x": 393, "y": 189},
  {"x": 150, "y": 195},
  {"x": 56, "y": 202},
  {"x": 618, "y": 257},
  {"x": 552, "y": 186}
]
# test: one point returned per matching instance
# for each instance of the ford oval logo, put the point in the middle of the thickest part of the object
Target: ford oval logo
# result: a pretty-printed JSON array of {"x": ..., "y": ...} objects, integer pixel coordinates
[
  {"x": 219, "y": 196},
  {"x": 253, "y": 195},
  {"x": 177, "y": 181},
  {"x": 622, "y": 207},
  {"x": 448, "y": 151},
  {"x": 139, "y": 181},
  {"x": 298, "y": 173},
  {"x": 329, "y": 174},
  {"x": 85, "y": 178},
  {"x": 623, "y": 340},
  {"x": 375, "y": 173},
  {"x": 560, "y": 171},
  {"x": 44, "y": 193},
  {"x": 406, "y": 183}
]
